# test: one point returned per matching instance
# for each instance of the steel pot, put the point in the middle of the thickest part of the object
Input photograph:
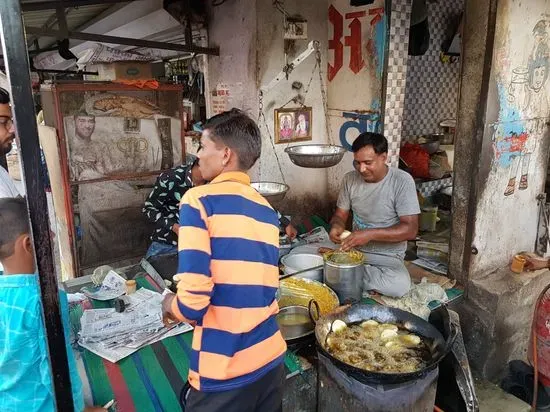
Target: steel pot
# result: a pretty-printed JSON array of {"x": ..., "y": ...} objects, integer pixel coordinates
[
  {"x": 345, "y": 279},
  {"x": 360, "y": 312},
  {"x": 448, "y": 128},
  {"x": 295, "y": 262}
]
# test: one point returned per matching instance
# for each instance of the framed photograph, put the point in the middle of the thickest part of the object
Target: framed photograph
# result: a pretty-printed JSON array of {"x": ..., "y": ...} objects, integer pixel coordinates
[
  {"x": 293, "y": 125},
  {"x": 131, "y": 125},
  {"x": 295, "y": 30}
]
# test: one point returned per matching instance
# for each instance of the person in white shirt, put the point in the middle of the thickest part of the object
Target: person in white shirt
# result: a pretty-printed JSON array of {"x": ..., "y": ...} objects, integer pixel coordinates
[{"x": 7, "y": 135}]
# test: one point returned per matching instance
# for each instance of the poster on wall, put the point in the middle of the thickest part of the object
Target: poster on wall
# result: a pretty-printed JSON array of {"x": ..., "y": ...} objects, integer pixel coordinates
[
  {"x": 293, "y": 125},
  {"x": 110, "y": 133},
  {"x": 117, "y": 143},
  {"x": 219, "y": 100},
  {"x": 295, "y": 30}
]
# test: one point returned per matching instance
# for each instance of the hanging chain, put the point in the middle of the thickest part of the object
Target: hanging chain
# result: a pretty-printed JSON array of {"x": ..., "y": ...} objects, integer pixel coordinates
[
  {"x": 295, "y": 98},
  {"x": 311, "y": 78},
  {"x": 261, "y": 115},
  {"x": 324, "y": 97},
  {"x": 260, "y": 104},
  {"x": 260, "y": 111}
]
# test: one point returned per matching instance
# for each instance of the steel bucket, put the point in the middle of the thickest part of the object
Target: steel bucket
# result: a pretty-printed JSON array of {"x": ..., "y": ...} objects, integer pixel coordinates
[{"x": 345, "y": 279}]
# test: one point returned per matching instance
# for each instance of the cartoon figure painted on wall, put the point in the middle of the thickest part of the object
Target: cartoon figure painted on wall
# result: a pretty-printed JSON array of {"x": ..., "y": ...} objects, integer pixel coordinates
[
  {"x": 514, "y": 146},
  {"x": 528, "y": 96},
  {"x": 538, "y": 69},
  {"x": 519, "y": 155}
]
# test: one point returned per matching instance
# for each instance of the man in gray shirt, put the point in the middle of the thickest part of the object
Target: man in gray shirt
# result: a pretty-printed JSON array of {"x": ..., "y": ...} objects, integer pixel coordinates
[{"x": 385, "y": 215}]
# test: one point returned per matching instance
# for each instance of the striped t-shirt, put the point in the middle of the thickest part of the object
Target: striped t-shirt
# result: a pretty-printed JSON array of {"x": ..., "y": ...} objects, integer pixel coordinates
[{"x": 228, "y": 277}]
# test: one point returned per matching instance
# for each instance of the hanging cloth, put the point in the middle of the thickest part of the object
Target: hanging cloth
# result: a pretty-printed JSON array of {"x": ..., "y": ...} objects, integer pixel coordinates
[{"x": 419, "y": 33}]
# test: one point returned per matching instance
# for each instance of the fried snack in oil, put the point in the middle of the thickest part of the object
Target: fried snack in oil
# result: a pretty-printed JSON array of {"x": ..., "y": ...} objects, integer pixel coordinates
[{"x": 376, "y": 347}]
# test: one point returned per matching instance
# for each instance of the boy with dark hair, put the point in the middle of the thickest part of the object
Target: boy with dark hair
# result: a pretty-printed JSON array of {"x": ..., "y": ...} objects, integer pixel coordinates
[
  {"x": 25, "y": 378},
  {"x": 234, "y": 135},
  {"x": 228, "y": 277}
]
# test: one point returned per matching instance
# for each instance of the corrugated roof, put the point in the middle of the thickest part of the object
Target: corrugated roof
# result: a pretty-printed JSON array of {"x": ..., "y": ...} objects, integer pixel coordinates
[
  {"x": 76, "y": 16},
  {"x": 80, "y": 18}
]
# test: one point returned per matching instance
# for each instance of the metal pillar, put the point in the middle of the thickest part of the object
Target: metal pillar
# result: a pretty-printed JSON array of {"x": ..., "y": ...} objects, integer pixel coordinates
[{"x": 17, "y": 64}]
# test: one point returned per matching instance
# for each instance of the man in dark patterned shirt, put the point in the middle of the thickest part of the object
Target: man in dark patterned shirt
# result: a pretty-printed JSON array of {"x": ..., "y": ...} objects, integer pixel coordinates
[{"x": 162, "y": 205}]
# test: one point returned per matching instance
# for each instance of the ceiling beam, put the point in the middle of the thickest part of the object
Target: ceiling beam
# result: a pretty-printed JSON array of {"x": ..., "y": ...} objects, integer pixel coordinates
[
  {"x": 100, "y": 38},
  {"x": 62, "y": 22},
  {"x": 52, "y": 20},
  {"x": 52, "y": 5}
]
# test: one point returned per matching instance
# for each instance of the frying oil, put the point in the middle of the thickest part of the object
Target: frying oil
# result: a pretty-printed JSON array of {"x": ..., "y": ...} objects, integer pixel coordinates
[{"x": 376, "y": 347}]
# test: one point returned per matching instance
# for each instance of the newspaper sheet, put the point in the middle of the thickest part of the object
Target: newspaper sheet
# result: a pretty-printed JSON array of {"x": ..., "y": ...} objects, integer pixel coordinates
[
  {"x": 114, "y": 335},
  {"x": 116, "y": 354}
]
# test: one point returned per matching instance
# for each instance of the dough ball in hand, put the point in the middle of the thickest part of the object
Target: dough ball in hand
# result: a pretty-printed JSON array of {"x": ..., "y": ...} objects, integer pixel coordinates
[{"x": 345, "y": 234}]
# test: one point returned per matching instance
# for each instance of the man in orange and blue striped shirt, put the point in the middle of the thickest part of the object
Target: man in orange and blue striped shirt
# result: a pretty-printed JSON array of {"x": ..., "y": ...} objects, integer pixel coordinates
[{"x": 228, "y": 276}]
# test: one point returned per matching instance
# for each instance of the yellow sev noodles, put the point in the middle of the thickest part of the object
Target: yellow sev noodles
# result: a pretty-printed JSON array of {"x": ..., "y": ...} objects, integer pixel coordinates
[
  {"x": 298, "y": 292},
  {"x": 345, "y": 258}
]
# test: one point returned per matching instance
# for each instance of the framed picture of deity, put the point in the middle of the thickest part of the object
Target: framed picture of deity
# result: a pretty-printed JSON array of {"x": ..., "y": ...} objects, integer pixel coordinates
[{"x": 293, "y": 125}]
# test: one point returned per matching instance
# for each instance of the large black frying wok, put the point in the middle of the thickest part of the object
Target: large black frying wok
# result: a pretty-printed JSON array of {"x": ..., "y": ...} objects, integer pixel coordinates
[{"x": 360, "y": 312}]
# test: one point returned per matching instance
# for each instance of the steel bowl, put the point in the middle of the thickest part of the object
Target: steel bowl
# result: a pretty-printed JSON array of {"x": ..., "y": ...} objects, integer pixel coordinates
[
  {"x": 295, "y": 322},
  {"x": 272, "y": 191},
  {"x": 296, "y": 262},
  {"x": 284, "y": 250},
  {"x": 315, "y": 156}
]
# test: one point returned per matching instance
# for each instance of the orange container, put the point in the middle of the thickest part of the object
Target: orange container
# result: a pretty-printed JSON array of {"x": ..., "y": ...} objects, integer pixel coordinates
[
  {"x": 130, "y": 287},
  {"x": 518, "y": 262}
]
